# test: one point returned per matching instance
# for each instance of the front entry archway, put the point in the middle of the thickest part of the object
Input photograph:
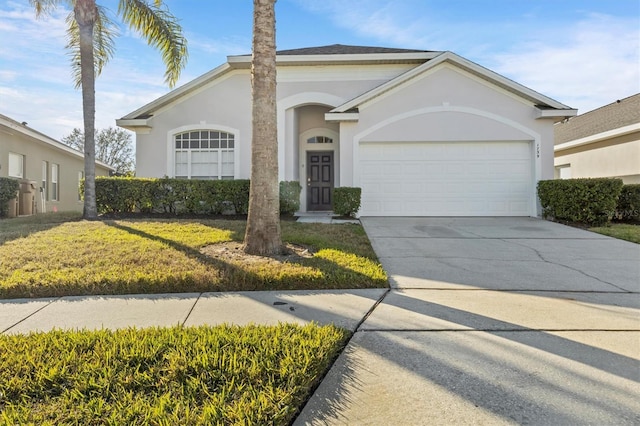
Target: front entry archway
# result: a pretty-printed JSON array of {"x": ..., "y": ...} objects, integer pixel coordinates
[{"x": 320, "y": 175}]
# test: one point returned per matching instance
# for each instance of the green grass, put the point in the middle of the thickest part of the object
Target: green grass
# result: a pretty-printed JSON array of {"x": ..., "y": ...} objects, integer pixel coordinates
[
  {"x": 164, "y": 376},
  {"x": 622, "y": 231},
  {"x": 58, "y": 255}
]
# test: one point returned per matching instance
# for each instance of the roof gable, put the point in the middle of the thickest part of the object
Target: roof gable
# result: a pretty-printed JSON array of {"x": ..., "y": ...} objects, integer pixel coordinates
[{"x": 546, "y": 105}]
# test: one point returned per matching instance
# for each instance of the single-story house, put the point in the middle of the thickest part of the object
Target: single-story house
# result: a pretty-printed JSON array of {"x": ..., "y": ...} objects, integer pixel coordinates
[
  {"x": 50, "y": 172},
  {"x": 604, "y": 142},
  {"x": 423, "y": 133}
]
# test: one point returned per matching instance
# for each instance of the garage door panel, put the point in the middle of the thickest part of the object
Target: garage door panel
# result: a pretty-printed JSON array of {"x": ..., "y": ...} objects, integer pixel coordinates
[{"x": 446, "y": 179}]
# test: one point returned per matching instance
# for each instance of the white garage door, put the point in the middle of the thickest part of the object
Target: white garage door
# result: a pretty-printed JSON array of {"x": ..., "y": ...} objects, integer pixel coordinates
[{"x": 446, "y": 179}]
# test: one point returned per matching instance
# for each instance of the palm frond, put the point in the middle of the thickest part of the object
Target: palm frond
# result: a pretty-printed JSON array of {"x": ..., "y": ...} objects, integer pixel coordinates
[
  {"x": 104, "y": 33},
  {"x": 44, "y": 7},
  {"x": 161, "y": 30}
]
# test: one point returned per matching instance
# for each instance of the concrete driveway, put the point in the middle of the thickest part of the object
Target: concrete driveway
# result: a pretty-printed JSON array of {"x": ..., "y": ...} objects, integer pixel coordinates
[{"x": 492, "y": 321}]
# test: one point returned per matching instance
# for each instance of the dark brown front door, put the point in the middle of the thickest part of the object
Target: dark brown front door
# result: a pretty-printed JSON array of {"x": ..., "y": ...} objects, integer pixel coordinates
[{"x": 319, "y": 180}]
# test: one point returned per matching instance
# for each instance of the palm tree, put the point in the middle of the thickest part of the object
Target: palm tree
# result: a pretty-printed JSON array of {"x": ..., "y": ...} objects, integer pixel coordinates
[
  {"x": 262, "y": 235},
  {"x": 90, "y": 34}
]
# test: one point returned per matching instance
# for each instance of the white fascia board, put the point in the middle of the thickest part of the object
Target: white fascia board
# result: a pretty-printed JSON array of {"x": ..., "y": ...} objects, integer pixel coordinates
[
  {"x": 620, "y": 131},
  {"x": 139, "y": 125},
  {"x": 450, "y": 57},
  {"x": 14, "y": 126},
  {"x": 341, "y": 116},
  {"x": 179, "y": 92},
  {"x": 555, "y": 113},
  {"x": 337, "y": 59}
]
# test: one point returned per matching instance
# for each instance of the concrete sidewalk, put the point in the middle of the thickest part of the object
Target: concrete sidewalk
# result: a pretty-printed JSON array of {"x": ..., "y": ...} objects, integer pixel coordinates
[{"x": 344, "y": 308}]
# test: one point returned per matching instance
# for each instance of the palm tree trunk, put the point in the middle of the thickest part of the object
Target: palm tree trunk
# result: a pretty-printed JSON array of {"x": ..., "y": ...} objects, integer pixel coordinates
[
  {"x": 262, "y": 236},
  {"x": 86, "y": 13}
]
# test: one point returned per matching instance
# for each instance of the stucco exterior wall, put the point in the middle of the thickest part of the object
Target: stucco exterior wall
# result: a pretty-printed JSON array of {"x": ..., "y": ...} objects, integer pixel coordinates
[
  {"x": 617, "y": 157},
  {"x": 225, "y": 104},
  {"x": 448, "y": 104},
  {"x": 35, "y": 152}
]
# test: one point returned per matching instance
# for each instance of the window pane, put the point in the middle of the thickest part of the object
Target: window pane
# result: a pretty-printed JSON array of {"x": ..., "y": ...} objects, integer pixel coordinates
[
  {"x": 55, "y": 189},
  {"x": 215, "y": 135},
  {"x": 231, "y": 144},
  {"x": 16, "y": 165},
  {"x": 204, "y": 135},
  {"x": 195, "y": 135}
]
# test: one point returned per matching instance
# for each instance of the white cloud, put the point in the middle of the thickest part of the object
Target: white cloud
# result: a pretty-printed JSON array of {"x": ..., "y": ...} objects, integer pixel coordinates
[{"x": 595, "y": 63}]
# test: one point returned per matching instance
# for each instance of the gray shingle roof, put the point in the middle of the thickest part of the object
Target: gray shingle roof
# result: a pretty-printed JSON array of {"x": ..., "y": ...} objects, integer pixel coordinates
[
  {"x": 341, "y": 49},
  {"x": 623, "y": 112}
]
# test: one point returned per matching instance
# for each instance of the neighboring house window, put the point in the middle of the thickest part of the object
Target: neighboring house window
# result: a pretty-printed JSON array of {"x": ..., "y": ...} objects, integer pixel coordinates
[
  {"x": 320, "y": 139},
  {"x": 45, "y": 180},
  {"x": 80, "y": 177},
  {"x": 55, "y": 188},
  {"x": 564, "y": 172},
  {"x": 204, "y": 154},
  {"x": 16, "y": 165}
]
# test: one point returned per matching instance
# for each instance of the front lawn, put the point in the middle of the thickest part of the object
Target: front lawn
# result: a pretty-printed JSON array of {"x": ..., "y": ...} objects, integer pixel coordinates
[
  {"x": 622, "y": 231},
  {"x": 53, "y": 255},
  {"x": 187, "y": 376}
]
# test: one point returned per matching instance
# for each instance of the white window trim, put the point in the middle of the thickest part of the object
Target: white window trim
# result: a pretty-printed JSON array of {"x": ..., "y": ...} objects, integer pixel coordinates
[
  {"x": 171, "y": 150},
  {"x": 45, "y": 180}
]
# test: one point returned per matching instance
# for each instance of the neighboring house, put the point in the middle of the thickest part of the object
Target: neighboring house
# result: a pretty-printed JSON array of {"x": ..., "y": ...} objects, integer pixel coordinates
[
  {"x": 604, "y": 142},
  {"x": 422, "y": 133},
  {"x": 53, "y": 169}
]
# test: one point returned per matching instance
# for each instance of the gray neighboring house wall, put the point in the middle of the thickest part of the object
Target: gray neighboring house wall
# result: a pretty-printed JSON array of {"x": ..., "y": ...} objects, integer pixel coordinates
[
  {"x": 604, "y": 142},
  {"x": 422, "y": 133},
  {"x": 27, "y": 154}
]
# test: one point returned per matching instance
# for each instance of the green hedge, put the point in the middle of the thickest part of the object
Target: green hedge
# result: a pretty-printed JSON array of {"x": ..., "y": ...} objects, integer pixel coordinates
[
  {"x": 182, "y": 196},
  {"x": 346, "y": 201},
  {"x": 8, "y": 189},
  {"x": 290, "y": 197},
  {"x": 588, "y": 201},
  {"x": 629, "y": 203}
]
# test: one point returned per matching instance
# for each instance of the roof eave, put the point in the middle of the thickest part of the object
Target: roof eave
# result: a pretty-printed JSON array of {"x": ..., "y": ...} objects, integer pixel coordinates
[
  {"x": 44, "y": 139},
  {"x": 621, "y": 131},
  {"x": 342, "y": 59},
  {"x": 556, "y": 114}
]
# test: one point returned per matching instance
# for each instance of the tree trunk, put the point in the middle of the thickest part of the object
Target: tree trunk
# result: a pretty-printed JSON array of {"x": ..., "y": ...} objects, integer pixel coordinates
[
  {"x": 262, "y": 236},
  {"x": 86, "y": 13}
]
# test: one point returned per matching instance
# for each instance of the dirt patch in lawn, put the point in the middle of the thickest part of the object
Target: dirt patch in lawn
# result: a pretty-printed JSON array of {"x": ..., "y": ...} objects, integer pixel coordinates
[{"x": 232, "y": 252}]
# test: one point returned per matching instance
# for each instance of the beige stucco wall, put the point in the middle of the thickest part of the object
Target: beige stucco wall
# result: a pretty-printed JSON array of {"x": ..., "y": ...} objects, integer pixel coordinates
[
  {"x": 35, "y": 152},
  {"x": 225, "y": 104},
  {"x": 616, "y": 157},
  {"x": 447, "y": 104}
]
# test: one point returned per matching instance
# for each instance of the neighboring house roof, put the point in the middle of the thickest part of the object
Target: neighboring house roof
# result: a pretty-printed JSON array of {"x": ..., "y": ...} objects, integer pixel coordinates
[
  {"x": 18, "y": 127},
  {"x": 621, "y": 114},
  {"x": 353, "y": 55}
]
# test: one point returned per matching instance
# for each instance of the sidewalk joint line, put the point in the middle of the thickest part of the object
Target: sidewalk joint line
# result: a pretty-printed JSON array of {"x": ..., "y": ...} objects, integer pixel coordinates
[
  {"x": 191, "y": 310},
  {"x": 496, "y": 330},
  {"x": 30, "y": 315}
]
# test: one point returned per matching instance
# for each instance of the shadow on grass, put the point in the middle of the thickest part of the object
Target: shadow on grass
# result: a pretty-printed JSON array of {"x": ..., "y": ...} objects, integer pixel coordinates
[
  {"x": 234, "y": 277},
  {"x": 22, "y": 227}
]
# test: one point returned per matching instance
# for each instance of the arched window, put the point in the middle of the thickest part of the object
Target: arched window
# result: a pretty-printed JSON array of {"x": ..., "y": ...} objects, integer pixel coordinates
[
  {"x": 204, "y": 154},
  {"x": 320, "y": 139}
]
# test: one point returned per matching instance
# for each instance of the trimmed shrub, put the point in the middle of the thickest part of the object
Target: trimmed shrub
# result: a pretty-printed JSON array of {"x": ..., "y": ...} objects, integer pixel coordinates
[
  {"x": 8, "y": 189},
  {"x": 629, "y": 203},
  {"x": 290, "y": 197},
  {"x": 588, "y": 201},
  {"x": 346, "y": 201}
]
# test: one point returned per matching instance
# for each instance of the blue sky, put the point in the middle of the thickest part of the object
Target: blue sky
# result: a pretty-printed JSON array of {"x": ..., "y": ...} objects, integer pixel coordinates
[{"x": 584, "y": 53}]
